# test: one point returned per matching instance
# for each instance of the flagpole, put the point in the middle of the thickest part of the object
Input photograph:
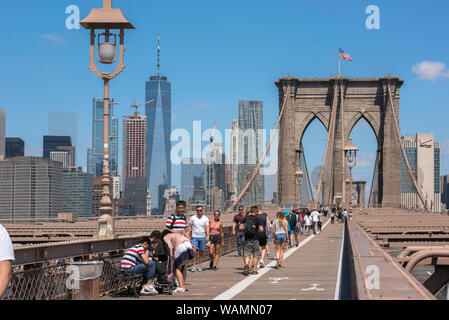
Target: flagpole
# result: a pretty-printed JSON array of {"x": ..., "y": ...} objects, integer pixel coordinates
[{"x": 339, "y": 62}]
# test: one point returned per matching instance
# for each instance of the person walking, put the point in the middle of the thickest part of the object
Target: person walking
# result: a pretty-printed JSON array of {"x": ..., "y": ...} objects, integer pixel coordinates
[
  {"x": 345, "y": 216},
  {"x": 295, "y": 226},
  {"x": 302, "y": 214},
  {"x": 216, "y": 240},
  {"x": 315, "y": 218},
  {"x": 307, "y": 223},
  {"x": 197, "y": 232},
  {"x": 251, "y": 226},
  {"x": 178, "y": 221},
  {"x": 240, "y": 235},
  {"x": 280, "y": 233},
  {"x": 287, "y": 216},
  {"x": 265, "y": 223},
  {"x": 6, "y": 259},
  {"x": 320, "y": 222},
  {"x": 181, "y": 251},
  {"x": 333, "y": 216}
]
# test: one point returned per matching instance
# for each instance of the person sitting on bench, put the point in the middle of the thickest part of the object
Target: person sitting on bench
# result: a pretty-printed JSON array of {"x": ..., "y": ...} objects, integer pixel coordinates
[{"x": 139, "y": 259}]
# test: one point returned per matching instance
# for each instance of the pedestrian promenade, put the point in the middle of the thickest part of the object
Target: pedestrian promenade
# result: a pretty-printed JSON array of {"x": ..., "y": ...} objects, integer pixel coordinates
[{"x": 309, "y": 272}]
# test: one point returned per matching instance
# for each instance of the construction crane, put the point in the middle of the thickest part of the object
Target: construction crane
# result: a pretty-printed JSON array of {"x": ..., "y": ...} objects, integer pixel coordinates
[
  {"x": 135, "y": 105},
  {"x": 211, "y": 136}
]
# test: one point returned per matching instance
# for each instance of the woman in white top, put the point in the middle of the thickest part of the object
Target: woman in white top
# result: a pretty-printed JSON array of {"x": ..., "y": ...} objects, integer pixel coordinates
[
  {"x": 307, "y": 223},
  {"x": 279, "y": 235}
]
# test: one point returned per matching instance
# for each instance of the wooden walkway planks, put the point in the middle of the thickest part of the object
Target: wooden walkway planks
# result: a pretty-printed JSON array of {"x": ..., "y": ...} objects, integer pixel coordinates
[{"x": 311, "y": 271}]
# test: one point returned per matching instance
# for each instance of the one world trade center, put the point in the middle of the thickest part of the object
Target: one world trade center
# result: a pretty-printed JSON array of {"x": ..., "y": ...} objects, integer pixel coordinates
[{"x": 158, "y": 113}]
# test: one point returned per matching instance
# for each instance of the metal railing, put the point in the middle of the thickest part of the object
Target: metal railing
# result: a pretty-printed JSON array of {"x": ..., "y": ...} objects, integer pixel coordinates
[{"x": 37, "y": 278}]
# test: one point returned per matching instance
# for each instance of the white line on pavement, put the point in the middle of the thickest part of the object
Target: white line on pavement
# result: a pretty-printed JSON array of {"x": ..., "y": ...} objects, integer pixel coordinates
[
  {"x": 245, "y": 283},
  {"x": 337, "y": 286}
]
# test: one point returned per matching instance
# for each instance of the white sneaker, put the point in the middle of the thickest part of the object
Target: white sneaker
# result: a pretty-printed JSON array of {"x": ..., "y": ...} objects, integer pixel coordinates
[
  {"x": 193, "y": 269},
  {"x": 179, "y": 290},
  {"x": 262, "y": 264},
  {"x": 199, "y": 269},
  {"x": 146, "y": 290}
]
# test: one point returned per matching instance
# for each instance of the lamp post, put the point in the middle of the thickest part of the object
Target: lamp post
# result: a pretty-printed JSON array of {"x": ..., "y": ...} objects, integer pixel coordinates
[
  {"x": 299, "y": 175},
  {"x": 106, "y": 19},
  {"x": 350, "y": 151}
]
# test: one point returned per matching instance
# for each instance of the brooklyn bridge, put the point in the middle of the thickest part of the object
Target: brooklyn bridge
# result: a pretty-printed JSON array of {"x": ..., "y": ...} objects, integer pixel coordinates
[{"x": 383, "y": 251}]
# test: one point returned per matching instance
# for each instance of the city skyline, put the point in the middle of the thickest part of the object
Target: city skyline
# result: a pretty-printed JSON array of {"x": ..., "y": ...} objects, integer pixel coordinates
[{"x": 187, "y": 62}]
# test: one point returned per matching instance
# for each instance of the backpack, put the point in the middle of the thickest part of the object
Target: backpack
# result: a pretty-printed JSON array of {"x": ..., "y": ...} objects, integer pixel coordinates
[
  {"x": 174, "y": 217},
  {"x": 293, "y": 220},
  {"x": 251, "y": 225}
]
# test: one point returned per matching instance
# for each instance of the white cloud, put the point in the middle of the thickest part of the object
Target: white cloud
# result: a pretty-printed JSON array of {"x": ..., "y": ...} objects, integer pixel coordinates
[
  {"x": 430, "y": 70},
  {"x": 52, "y": 37}
]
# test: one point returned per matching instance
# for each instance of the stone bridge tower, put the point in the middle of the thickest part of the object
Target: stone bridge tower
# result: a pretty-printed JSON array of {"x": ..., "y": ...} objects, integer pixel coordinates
[{"x": 347, "y": 100}]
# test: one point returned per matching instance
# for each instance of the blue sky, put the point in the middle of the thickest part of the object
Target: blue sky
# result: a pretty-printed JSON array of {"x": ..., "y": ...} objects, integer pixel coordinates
[{"x": 215, "y": 53}]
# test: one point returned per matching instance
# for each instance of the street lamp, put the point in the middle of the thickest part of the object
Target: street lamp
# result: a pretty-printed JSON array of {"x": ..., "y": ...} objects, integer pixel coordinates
[
  {"x": 299, "y": 175},
  {"x": 106, "y": 19},
  {"x": 350, "y": 151}
]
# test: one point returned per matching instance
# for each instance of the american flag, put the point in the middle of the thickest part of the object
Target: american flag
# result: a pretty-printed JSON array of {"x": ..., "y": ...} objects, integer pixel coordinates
[{"x": 344, "y": 55}]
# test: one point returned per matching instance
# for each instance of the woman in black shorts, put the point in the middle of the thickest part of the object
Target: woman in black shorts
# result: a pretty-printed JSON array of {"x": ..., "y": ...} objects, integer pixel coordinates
[{"x": 216, "y": 239}]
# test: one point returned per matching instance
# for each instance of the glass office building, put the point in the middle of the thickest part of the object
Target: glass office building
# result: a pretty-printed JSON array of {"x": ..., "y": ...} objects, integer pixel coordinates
[
  {"x": 158, "y": 113},
  {"x": 250, "y": 151},
  {"x": 51, "y": 143},
  {"x": 190, "y": 168},
  {"x": 63, "y": 124},
  {"x": 95, "y": 155},
  {"x": 423, "y": 155},
  {"x": 77, "y": 192},
  {"x": 15, "y": 147}
]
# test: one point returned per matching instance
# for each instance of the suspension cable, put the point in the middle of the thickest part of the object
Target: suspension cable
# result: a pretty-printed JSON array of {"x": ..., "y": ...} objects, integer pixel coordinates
[{"x": 403, "y": 150}]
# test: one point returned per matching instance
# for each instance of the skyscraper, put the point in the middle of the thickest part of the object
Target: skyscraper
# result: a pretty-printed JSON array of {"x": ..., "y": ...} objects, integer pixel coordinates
[
  {"x": 250, "y": 151},
  {"x": 423, "y": 154},
  {"x": 71, "y": 152},
  {"x": 15, "y": 147},
  {"x": 63, "y": 124},
  {"x": 30, "y": 187},
  {"x": 51, "y": 143},
  {"x": 2, "y": 133},
  {"x": 134, "y": 162},
  {"x": 77, "y": 192},
  {"x": 158, "y": 113},
  {"x": 445, "y": 190},
  {"x": 190, "y": 168},
  {"x": 96, "y": 164},
  {"x": 234, "y": 157},
  {"x": 215, "y": 173},
  {"x": 61, "y": 156}
]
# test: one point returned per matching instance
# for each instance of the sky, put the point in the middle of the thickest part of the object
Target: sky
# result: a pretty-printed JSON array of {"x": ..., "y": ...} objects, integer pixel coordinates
[{"x": 215, "y": 53}]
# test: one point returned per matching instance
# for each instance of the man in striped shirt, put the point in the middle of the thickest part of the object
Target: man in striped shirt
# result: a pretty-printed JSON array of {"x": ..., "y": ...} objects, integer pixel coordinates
[
  {"x": 178, "y": 221},
  {"x": 139, "y": 259}
]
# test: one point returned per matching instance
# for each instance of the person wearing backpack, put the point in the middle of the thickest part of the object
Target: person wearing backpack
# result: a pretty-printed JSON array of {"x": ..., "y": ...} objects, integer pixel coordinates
[
  {"x": 294, "y": 227},
  {"x": 280, "y": 232},
  {"x": 302, "y": 221},
  {"x": 178, "y": 221},
  {"x": 251, "y": 226},
  {"x": 262, "y": 236}
]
